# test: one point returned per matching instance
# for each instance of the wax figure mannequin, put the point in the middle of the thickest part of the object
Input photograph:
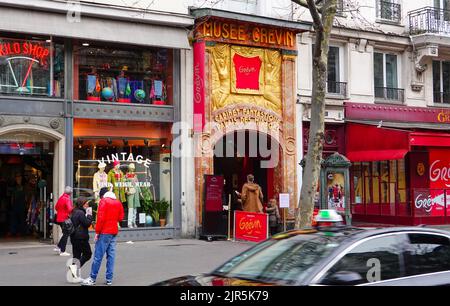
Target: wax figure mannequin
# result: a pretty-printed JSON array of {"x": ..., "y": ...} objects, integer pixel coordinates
[
  {"x": 133, "y": 192},
  {"x": 116, "y": 179},
  {"x": 100, "y": 180}
]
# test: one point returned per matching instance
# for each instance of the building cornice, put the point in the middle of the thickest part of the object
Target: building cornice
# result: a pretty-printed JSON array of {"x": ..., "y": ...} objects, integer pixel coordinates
[{"x": 103, "y": 11}]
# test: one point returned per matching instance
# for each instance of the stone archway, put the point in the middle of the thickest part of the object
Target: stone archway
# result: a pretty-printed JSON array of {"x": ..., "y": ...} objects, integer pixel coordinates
[{"x": 58, "y": 158}]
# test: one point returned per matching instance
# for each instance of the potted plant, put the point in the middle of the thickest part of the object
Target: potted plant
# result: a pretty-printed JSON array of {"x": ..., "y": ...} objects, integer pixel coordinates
[
  {"x": 147, "y": 203},
  {"x": 161, "y": 208}
]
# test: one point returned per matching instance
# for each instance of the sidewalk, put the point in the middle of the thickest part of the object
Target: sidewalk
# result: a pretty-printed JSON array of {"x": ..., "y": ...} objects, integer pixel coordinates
[{"x": 140, "y": 263}]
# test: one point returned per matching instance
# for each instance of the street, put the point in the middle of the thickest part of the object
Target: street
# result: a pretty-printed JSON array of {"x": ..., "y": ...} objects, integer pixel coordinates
[{"x": 137, "y": 264}]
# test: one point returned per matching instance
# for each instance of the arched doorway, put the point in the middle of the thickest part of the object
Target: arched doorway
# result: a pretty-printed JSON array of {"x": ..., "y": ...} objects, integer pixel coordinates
[
  {"x": 31, "y": 172},
  {"x": 243, "y": 152}
]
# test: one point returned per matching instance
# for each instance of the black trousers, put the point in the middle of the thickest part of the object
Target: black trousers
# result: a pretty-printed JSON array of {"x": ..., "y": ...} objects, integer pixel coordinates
[
  {"x": 63, "y": 241},
  {"x": 81, "y": 250}
]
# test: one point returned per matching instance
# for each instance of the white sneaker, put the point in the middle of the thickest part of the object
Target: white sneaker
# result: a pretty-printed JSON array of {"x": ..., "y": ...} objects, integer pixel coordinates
[
  {"x": 88, "y": 282},
  {"x": 78, "y": 280},
  {"x": 64, "y": 254},
  {"x": 57, "y": 250}
]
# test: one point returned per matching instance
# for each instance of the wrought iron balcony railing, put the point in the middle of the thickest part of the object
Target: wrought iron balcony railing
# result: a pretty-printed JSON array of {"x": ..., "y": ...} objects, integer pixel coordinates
[
  {"x": 389, "y": 94},
  {"x": 429, "y": 20},
  {"x": 388, "y": 10},
  {"x": 441, "y": 97},
  {"x": 337, "y": 88}
]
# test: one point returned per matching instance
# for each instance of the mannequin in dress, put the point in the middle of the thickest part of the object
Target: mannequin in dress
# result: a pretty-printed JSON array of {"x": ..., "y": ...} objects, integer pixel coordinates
[
  {"x": 100, "y": 180},
  {"x": 133, "y": 192},
  {"x": 116, "y": 179}
]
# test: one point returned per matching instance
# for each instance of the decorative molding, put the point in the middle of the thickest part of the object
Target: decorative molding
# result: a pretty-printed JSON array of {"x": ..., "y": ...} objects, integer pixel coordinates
[
  {"x": 55, "y": 123},
  {"x": 36, "y": 121}
]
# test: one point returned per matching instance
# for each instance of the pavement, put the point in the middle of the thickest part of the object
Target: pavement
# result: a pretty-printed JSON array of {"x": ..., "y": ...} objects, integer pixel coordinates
[{"x": 30, "y": 263}]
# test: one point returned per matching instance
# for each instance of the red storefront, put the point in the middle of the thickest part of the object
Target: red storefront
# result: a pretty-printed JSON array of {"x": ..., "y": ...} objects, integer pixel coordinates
[{"x": 400, "y": 158}]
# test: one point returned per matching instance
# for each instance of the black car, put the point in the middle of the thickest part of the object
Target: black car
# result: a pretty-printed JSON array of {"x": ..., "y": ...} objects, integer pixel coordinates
[{"x": 397, "y": 256}]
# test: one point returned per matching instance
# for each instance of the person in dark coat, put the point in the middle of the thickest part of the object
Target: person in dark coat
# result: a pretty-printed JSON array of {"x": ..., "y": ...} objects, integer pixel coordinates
[{"x": 82, "y": 220}]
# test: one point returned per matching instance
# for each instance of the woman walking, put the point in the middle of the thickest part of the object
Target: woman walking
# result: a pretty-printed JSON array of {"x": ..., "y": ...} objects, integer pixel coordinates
[{"x": 82, "y": 220}]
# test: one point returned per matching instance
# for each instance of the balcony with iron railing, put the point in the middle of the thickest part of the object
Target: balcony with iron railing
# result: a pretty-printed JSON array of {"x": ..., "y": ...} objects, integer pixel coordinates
[
  {"x": 387, "y": 94},
  {"x": 388, "y": 11},
  {"x": 441, "y": 97},
  {"x": 429, "y": 20},
  {"x": 337, "y": 89}
]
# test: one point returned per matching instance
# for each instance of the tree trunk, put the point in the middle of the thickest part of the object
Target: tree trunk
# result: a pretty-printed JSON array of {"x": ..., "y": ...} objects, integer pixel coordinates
[{"x": 311, "y": 171}]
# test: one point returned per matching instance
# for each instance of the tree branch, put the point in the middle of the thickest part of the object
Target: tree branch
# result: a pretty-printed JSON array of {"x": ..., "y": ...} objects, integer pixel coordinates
[
  {"x": 301, "y": 3},
  {"x": 315, "y": 14}
]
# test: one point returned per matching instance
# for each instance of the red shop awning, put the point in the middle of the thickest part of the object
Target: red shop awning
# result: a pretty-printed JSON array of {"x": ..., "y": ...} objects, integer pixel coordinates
[
  {"x": 430, "y": 139},
  {"x": 370, "y": 143}
]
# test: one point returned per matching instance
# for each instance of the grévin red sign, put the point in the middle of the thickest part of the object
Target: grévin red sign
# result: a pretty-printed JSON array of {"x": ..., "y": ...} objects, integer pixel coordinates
[
  {"x": 199, "y": 86},
  {"x": 247, "y": 71},
  {"x": 251, "y": 226}
]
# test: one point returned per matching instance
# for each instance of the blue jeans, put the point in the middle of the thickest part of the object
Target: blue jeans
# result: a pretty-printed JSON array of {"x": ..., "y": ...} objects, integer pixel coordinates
[{"x": 105, "y": 244}]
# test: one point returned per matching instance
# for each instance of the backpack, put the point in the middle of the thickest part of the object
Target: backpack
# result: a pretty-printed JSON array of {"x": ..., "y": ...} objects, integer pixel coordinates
[{"x": 67, "y": 227}]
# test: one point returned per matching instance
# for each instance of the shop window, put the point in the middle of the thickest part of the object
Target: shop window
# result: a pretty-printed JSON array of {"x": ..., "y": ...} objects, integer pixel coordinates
[
  {"x": 31, "y": 67},
  {"x": 375, "y": 182},
  {"x": 141, "y": 179},
  {"x": 357, "y": 183},
  {"x": 402, "y": 181},
  {"x": 384, "y": 181},
  {"x": 367, "y": 180},
  {"x": 139, "y": 75}
]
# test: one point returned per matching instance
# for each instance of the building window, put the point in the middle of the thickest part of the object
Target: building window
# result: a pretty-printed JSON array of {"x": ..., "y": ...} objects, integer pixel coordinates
[
  {"x": 126, "y": 75},
  {"x": 378, "y": 186},
  {"x": 340, "y": 8},
  {"x": 386, "y": 78},
  {"x": 31, "y": 67},
  {"x": 389, "y": 10},
  {"x": 141, "y": 179},
  {"x": 335, "y": 86},
  {"x": 441, "y": 82}
]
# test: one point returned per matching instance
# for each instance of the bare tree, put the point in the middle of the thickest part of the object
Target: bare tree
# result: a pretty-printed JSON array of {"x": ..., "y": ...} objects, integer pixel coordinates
[{"x": 322, "y": 13}]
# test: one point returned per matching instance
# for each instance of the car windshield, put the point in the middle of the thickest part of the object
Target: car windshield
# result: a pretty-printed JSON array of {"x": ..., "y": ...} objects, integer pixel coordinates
[{"x": 282, "y": 261}]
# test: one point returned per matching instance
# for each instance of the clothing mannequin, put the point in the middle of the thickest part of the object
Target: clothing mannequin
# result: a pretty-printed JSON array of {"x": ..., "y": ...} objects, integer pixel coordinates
[
  {"x": 116, "y": 179},
  {"x": 100, "y": 180},
  {"x": 133, "y": 192}
]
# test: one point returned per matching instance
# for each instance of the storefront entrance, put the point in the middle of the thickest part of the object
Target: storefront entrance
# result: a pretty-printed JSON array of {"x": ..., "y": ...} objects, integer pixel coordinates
[
  {"x": 26, "y": 182},
  {"x": 241, "y": 153}
]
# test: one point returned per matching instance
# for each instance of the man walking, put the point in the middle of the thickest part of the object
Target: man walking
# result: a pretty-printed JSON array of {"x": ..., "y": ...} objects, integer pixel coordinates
[
  {"x": 63, "y": 209},
  {"x": 110, "y": 213}
]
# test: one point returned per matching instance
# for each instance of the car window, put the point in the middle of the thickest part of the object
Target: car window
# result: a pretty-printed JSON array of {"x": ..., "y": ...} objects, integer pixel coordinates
[
  {"x": 427, "y": 253},
  {"x": 376, "y": 259},
  {"x": 285, "y": 261}
]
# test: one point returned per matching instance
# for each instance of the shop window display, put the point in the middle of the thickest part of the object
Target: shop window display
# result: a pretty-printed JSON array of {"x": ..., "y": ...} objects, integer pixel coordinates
[
  {"x": 31, "y": 67},
  {"x": 133, "y": 75},
  {"x": 137, "y": 170}
]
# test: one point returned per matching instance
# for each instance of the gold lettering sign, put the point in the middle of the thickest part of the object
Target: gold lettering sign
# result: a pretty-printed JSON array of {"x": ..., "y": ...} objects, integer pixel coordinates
[
  {"x": 245, "y": 33},
  {"x": 444, "y": 117},
  {"x": 246, "y": 114}
]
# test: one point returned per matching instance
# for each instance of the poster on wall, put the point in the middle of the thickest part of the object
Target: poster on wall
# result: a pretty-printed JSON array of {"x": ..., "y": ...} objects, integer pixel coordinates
[
  {"x": 429, "y": 202},
  {"x": 335, "y": 191},
  {"x": 251, "y": 226},
  {"x": 199, "y": 86},
  {"x": 439, "y": 171}
]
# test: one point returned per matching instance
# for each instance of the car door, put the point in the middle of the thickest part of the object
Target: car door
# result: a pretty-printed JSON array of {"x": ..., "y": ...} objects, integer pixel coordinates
[{"x": 369, "y": 260}]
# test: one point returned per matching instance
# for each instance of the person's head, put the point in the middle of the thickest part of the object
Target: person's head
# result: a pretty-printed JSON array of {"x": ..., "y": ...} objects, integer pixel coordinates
[
  {"x": 82, "y": 202},
  {"x": 68, "y": 190},
  {"x": 250, "y": 178},
  {"x": 272, "y": 202},
  {"x": 18, "y": 179},
  {"x": 131, "y": 167},
  {"x": 116, "y": 165},
  {"x": 101, "y": 166},
  {"x": 102, "y": 192}
]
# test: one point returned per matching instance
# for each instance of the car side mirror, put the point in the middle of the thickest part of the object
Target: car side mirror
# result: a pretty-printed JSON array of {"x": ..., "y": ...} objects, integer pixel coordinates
[{"x": 343, "y": 278}]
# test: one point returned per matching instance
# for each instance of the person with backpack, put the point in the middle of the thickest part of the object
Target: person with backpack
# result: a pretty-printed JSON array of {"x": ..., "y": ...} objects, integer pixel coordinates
[
  {"x": 63, "y": 209},
  {"x": 110, "y": 213},
  {"x": 81, "y": 219}
]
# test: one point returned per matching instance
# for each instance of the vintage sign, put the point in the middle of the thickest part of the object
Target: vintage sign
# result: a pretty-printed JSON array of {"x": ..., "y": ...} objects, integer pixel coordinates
[
  {"x": 246, "y": 33},
  {"x": 245, "y": 115},
  {"x": 126, "y": 157},
  {"x": 251, "y": 226},
  {"x": 429, "y": 202},
  {"x": 199, "y": 86}
]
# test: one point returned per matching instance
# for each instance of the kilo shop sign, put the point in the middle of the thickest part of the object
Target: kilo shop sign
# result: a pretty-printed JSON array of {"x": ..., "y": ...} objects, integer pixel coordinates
[{"x": 251, "y": 226}]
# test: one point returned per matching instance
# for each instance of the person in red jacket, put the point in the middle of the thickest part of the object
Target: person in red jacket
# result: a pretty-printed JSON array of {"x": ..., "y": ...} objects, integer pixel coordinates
[
  {"x": 110, "y": 213},
  {"x": 63, "y": 209}
]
